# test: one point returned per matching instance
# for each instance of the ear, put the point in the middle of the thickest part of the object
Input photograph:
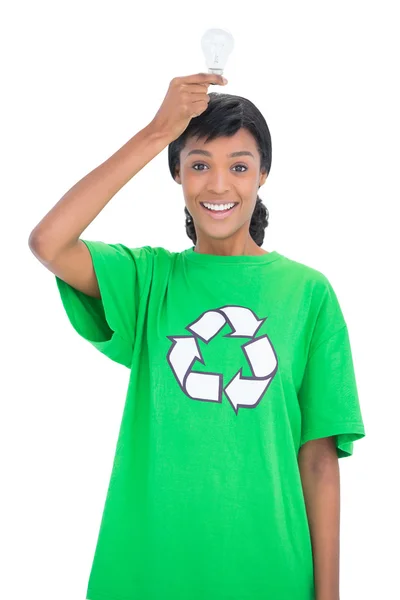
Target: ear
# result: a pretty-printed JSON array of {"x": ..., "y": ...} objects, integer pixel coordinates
[
  {"x": 177, "y": 176},
  {"x": 263, "y": 178}
]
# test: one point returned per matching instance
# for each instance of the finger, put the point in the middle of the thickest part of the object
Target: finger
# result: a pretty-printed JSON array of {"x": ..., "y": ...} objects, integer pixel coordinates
[
  {"x": 198, "y": 107},
  {"x": 195, "y": 88},
  {"x": 204, "y": 78},
  {"x": 198, "y": 97}
]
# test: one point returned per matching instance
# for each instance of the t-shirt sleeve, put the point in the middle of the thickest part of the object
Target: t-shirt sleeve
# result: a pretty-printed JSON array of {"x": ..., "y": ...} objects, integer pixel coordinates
[
  {"x": 328, "y": 395},
  {"x": 109, "y": 322}
]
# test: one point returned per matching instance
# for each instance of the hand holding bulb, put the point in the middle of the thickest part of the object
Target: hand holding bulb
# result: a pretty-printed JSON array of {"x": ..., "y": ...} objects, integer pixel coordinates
[{"x": 186, "y": 98}]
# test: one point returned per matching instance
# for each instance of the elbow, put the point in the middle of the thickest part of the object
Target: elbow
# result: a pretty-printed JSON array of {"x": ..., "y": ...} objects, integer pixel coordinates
[
  {"x": 34, "y": 241},
  {"x": 38, "y": 247},
  {"x": 318, "y": 455}
]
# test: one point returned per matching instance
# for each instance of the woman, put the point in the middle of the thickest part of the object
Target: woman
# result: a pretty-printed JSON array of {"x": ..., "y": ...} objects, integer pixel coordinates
[{"x": 242, "y": 392}]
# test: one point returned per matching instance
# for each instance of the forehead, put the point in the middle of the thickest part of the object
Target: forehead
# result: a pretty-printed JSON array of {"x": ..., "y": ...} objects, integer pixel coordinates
[{"x": 222, "y": 146}]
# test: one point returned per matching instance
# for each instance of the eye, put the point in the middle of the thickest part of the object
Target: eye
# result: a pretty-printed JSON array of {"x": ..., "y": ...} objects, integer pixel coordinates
[{"x": 198, "y": 164}]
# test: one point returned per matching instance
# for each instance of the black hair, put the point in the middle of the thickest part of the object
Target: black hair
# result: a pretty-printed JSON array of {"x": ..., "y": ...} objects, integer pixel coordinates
[{"x": 224, "y": 116}]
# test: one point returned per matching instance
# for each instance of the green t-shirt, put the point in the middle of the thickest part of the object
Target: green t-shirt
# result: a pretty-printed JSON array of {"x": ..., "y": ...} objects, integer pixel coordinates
[{"x": 235, "y": 362}]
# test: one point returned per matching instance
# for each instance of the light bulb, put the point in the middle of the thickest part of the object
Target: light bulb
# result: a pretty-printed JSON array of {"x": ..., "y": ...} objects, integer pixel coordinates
[{"x": 217, "y": 44}]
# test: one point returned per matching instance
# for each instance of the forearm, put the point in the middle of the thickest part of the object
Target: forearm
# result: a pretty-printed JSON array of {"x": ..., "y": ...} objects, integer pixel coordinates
[
  {"x": 321, "y": 487},
  {"x": 65, "y": 222}
]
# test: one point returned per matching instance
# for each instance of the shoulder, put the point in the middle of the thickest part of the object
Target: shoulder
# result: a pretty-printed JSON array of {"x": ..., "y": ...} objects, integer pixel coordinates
[
  {"x": 313, "y": 291},
  {"x": 305, "y": 275}
]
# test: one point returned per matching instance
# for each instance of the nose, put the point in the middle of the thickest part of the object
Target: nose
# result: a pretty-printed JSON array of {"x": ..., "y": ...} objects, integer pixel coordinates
[{"x": 218, "y": 184}]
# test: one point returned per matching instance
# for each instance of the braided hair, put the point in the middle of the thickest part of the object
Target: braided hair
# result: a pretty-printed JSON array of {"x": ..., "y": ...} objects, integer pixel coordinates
[{"x": 224, "y": 116}]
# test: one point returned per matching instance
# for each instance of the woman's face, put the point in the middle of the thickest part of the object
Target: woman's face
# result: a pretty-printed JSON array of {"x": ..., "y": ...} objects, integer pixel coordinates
[{"x": 208, "y": 173}]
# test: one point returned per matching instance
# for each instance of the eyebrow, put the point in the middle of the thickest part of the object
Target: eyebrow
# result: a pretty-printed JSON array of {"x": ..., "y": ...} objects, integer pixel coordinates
[{"x": 233, "y": 154}]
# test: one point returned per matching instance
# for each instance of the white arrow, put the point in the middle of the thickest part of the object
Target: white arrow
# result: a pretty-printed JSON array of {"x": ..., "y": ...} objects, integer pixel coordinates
[
  {"x": 182, "y": 355},
  {"x": 242, "y": 320},
  {"x": 208, "y": 325},
  {"x": 204, "y": 386},
  {"x": 261, "y": 356},
  {"x": 199, "y": 386},
  {"x": 245, "y": 392}
]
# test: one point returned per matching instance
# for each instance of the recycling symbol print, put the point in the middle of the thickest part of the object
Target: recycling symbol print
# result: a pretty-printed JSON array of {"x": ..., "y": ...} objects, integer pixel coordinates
[{"x": 242, "y": 392}]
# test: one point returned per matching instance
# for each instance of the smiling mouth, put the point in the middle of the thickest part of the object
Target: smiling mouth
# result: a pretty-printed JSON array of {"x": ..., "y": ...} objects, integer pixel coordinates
[{"x": 219, "y": 213}]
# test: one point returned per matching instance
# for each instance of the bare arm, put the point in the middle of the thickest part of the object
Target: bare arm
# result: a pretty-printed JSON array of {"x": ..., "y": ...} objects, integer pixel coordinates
[
  {"x": 55, "y": 240},
  {"x": 319, "y": 469}
]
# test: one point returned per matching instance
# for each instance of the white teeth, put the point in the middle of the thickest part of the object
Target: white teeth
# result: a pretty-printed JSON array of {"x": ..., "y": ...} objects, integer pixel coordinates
[{"x": 218, "y": 206}]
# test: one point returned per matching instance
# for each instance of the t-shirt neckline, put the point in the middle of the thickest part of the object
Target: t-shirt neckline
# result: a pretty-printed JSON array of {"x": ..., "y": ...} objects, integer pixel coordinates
[{"x": 259, "y": 259}]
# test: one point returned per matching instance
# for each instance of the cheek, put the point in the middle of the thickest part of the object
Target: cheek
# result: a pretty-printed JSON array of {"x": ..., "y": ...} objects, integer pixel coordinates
[{"x": 192, "y": 188}]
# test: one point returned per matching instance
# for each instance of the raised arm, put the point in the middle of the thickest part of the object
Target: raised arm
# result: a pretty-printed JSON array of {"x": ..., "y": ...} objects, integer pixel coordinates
[{"x": 55, "y": 239}]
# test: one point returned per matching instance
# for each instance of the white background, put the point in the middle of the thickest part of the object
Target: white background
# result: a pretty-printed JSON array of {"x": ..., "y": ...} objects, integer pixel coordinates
[{"x": 81, "y": 78}]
